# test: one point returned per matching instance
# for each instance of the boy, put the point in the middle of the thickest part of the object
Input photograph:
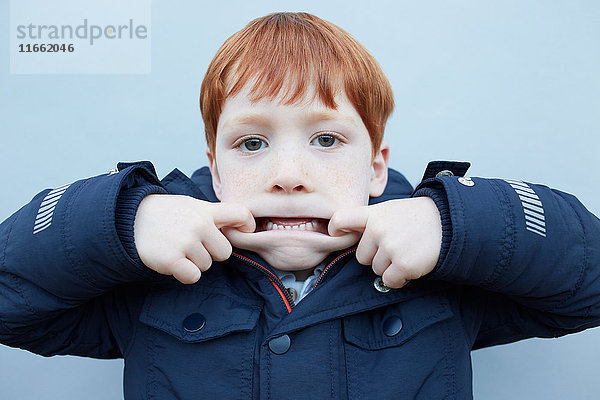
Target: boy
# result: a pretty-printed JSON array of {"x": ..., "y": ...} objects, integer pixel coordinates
[{"x": 301, "y": 266}]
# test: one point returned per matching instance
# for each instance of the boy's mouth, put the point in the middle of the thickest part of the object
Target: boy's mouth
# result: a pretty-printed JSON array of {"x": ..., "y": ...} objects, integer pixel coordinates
[{"x": 308, "y": 224}]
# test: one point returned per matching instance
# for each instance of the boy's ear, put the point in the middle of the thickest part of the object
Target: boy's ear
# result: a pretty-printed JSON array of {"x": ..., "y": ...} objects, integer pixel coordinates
[
  {"x": 214, "y": 172},
  {"x": 379, "y": 170}
]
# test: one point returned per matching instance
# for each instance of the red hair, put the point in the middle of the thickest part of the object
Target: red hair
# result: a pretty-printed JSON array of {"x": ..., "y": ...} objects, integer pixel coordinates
[{"x": 291, "y": 51}]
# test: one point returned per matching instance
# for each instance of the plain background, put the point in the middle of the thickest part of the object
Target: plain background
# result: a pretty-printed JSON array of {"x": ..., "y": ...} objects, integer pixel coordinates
[{"x": 511, "y": 86}]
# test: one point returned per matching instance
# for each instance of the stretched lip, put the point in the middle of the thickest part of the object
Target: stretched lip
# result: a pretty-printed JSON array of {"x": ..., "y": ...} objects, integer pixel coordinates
[{"x": 292, "y": 224}]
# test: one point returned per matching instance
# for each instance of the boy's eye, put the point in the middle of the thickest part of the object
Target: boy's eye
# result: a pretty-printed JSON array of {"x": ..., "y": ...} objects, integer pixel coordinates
[
  {"x": 253, "y": 144},
  {"x": 325, "y": 140}
]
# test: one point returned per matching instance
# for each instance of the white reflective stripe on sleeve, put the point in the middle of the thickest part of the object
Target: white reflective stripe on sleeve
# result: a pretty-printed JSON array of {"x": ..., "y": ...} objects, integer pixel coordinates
[
  {"x": 533, "y": 209},
  {"x": 43, "y": 219},
  {"x": 41, "y": 228},
  {"x": 51, "y": 197}
]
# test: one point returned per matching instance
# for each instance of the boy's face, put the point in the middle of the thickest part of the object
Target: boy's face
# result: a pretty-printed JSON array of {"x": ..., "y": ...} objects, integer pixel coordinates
[{"x": 293, "y": 166}]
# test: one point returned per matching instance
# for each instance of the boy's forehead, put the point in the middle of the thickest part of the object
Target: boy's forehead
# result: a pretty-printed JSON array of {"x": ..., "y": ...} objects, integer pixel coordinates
[{"x": 240, "y": 109}]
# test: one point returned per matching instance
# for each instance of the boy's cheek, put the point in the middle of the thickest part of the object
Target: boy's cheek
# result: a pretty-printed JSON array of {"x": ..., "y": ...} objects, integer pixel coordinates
[{"x": 238, "y": 183}]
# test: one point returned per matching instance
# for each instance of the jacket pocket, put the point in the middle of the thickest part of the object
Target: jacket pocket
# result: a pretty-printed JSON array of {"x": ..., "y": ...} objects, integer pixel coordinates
[
  {"x": 195, "y": 343},
  {"x": 222, "y": 313},
  {"x": 395, "y": 324},
  {"x": 399, "y": 351}
]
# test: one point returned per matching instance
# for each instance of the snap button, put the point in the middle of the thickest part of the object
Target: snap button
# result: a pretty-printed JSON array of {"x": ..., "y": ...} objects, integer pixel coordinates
[
  {"x": 194, "y": 322},
  {"x": 294, "y": 293},
  {"x": 280, "y": 344},
  {"x": 445, "y": 172},
  {"x": 392, "y": 326},
  {"x": 380, "y": 286},
  {"x": 466, "y": 181}
]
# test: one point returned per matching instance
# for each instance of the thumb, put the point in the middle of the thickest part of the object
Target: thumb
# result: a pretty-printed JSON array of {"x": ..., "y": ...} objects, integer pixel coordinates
[
  {"x": 350, "y": 219},
  {"x": 233, "y": 215}
]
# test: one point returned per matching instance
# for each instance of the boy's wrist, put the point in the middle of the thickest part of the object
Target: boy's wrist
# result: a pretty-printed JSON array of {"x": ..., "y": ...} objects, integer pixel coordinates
[
  {"x": 438, "y": 195},
  {"x": 125, "y": 211}
]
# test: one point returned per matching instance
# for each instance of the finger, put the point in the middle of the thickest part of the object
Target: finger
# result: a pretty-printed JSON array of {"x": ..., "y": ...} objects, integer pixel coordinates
[
  {"x": 380, "y": 263},
  {"x": 346, "y": 240},
  {"x": 197, "y": 254},
  {"x": 348, "y": 220},
  {"x": 394, "y": 277},
  {"x": 366, "y": 250},
  {"x": 186, "y": 271},
  {"x": 233, "y": 215},
  {"x": 242, "y": 240},
  {"x": 217, "y": 245}
]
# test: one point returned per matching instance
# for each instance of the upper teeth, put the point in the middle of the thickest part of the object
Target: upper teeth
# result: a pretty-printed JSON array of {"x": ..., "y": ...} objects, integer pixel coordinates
[{"x": 308, "y": 226}]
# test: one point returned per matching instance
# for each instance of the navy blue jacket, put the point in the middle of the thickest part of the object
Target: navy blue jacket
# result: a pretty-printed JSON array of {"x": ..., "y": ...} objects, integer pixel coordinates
[{"x": 518, "y": 260}]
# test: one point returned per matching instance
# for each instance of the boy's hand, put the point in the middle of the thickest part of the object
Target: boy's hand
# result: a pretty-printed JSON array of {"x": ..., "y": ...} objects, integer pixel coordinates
[
  {"x": 401, "y": 239},
  {"x": 180, "y": 236}
]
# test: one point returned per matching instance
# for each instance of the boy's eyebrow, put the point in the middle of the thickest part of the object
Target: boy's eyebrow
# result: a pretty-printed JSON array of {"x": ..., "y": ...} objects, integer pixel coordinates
[
  {"x": 258, "y": 119},
  {"x": 331, "y": 116},
  {"x": 247, "y": 119}
]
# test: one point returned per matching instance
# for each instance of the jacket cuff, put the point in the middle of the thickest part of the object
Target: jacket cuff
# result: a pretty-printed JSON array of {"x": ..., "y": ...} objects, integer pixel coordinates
[
  {"x": 483, "y": 237},
  {"x": 438, "y": 195},
  {"x": 125, "y": 211}
]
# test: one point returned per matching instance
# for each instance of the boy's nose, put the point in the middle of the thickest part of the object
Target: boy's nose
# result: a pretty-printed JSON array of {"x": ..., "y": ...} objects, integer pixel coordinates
[
  {"x": 290, "y": 177},
  {"x": 288, "y": 186}
]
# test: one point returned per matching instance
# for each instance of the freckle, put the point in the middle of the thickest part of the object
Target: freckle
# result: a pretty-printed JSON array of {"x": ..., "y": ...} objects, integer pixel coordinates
[{"x": 243, "y": 181}]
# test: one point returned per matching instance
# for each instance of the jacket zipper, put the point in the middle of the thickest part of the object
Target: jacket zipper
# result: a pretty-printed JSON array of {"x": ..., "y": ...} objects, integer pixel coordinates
[
  {"x": 283, "y": 292},
  {"x": 330, "y": 265}
]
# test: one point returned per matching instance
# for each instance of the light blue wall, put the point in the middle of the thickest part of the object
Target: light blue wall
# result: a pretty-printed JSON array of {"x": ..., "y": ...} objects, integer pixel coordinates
[{"x": 512, "y": 86}]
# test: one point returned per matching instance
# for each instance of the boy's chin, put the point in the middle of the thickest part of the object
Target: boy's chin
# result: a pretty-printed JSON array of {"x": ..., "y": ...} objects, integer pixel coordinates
[
  {"x": 290, "y": 250},
  {"x": 292, "y": 258}
]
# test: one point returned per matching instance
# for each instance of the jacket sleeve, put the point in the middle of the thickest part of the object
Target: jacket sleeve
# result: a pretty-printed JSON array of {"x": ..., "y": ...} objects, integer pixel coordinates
[
  {"x": 529, "y": 254},
  {"x": 62, "y": 262}
]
